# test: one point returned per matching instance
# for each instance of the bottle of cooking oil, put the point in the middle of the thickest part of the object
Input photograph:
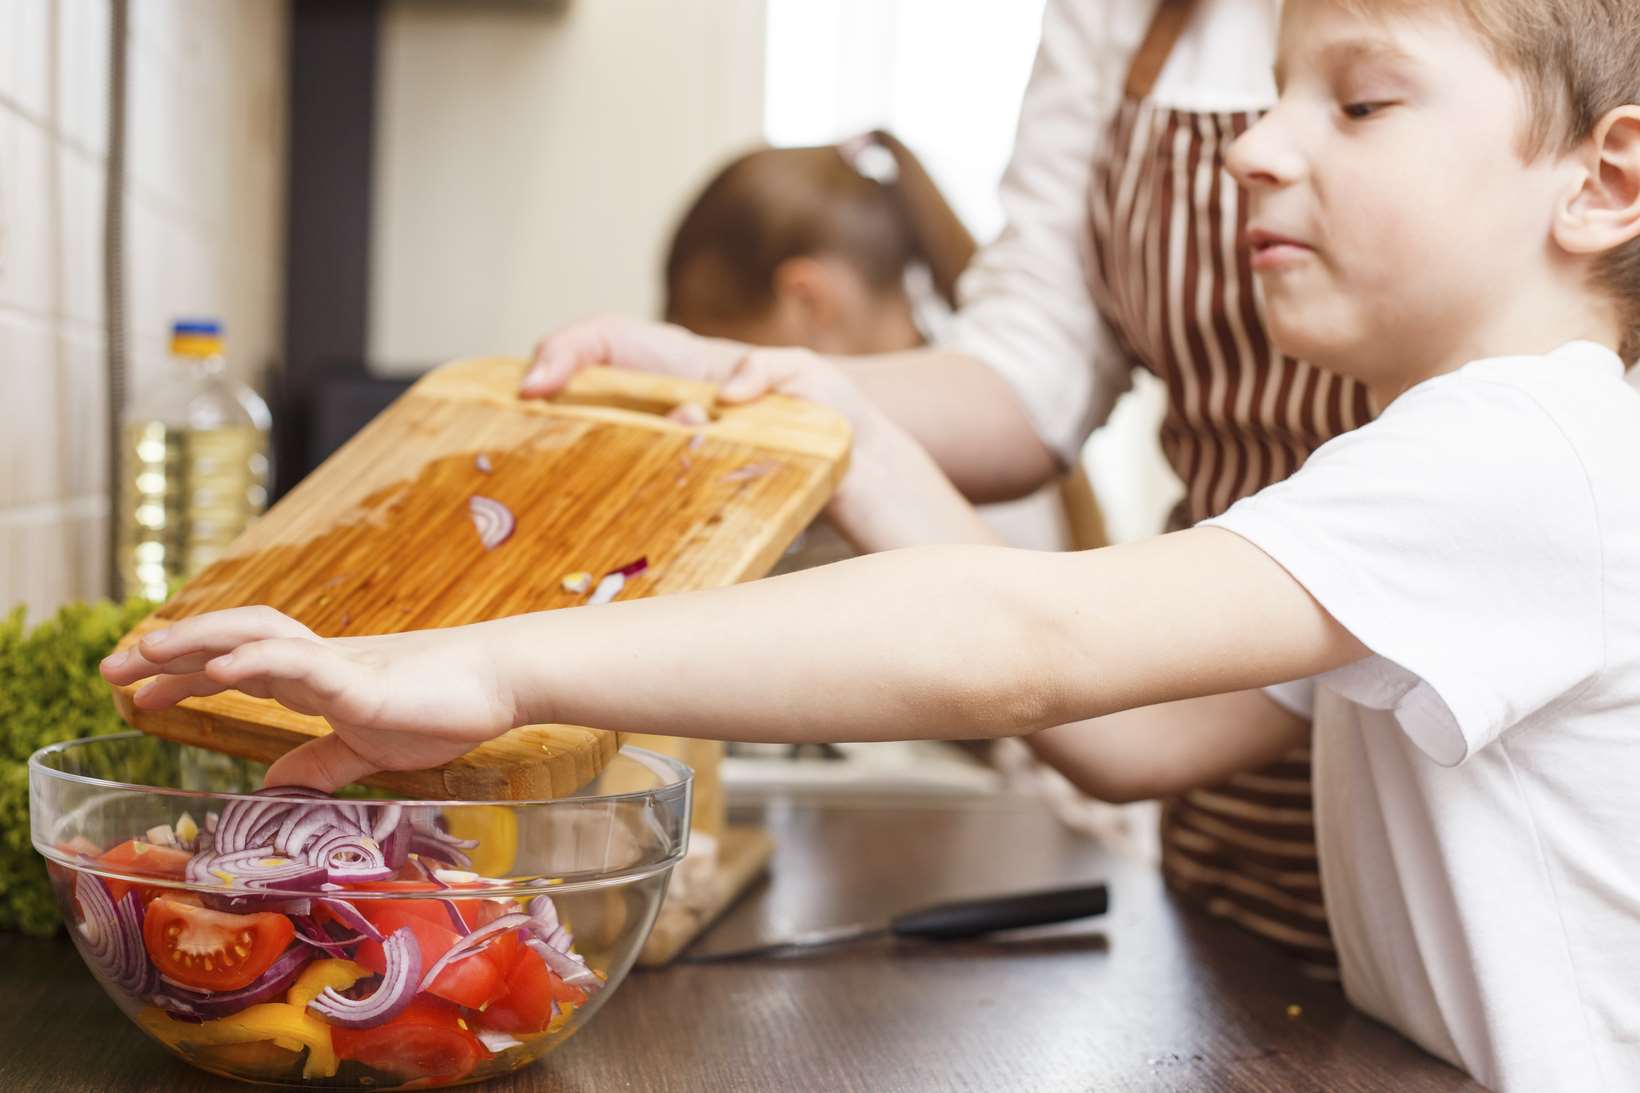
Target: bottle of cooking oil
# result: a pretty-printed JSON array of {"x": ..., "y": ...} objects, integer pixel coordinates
[{"x": 194, "y": 464}]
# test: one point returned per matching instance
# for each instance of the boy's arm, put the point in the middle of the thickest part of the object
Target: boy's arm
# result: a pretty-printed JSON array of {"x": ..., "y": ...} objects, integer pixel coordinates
[
  {"x": 1157, "y": 751},
  {"x": 934, "y": 642}
]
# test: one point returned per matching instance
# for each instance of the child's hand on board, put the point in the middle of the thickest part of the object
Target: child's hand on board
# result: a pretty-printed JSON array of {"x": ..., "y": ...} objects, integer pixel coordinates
[{"x": 396, "y": 702}]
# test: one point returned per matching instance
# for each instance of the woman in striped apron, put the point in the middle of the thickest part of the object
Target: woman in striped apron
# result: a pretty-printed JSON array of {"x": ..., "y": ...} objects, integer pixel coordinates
[
  {"x": 1121, "y": 253},
  {"x": 1173, "y": 282}
]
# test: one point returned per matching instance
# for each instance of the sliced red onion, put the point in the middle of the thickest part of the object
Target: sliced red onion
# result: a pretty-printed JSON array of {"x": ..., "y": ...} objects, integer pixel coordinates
[
  {"x": 396, "y": 847},
  {"x": 112, "y": 934},
  {"x": 349, "y": 856},
  {"x": 607, "y": 590},
  {"x": 387, "y": 823},
  {"x": 496, "y": 1042},
  {"x": 457, "y": 923},
  {"x": 208, "y": 1005},
  {"x": 545, "y": 914},
  {"x": 570, "y": 967},
  {"x": 248, "y": 905},
  {"x": 311, "y": 933},
  {"x": 395, "y": 991},
  {"x": 614, "y": 581},
  {"x": 351, "y": 918},
  {"x": 451, "y": 877},
  {"x": 300, "y": 826},
  {"x": 470, "y": 944},
  {"x": 428, "y": 840},
  {"x": 258, "y": 867},
  {"x": 494, "y": 521},
  {"x": 483, "y": 463}
]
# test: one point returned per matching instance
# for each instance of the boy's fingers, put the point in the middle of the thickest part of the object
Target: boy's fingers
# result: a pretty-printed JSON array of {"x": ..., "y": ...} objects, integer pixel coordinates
[
  {"x": 306, "y": 662},
  {"x": 326, "y": 763},
  {"x": 217, "y": 632},
  {"x": 169, "y": 690}
]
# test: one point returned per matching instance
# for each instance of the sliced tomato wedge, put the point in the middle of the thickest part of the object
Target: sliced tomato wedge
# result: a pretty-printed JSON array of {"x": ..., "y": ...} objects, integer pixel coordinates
[
  {"x": 428, "y": 1040},
  {"x": 532, "y": 988},
  {"x": 473, "y": 981},
  {"x": 212, "y": 950},
  {"x": 144, "y": 859}
]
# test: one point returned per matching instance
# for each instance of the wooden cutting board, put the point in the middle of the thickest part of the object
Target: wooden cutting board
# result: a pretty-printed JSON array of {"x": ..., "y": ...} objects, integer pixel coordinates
[{"x": 380, "y": 538}]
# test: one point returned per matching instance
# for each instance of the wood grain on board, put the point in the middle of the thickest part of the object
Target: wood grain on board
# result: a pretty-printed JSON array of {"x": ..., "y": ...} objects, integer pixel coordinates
[{"x": 380, "y": 538}]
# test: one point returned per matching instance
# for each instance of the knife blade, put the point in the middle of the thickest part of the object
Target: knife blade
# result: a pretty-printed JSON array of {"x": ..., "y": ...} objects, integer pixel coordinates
[{"x": 953, "y": 921}]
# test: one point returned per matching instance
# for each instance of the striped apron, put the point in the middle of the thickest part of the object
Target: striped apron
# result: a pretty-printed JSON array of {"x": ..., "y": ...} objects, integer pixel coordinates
[{"x": 1171, "y": 279}]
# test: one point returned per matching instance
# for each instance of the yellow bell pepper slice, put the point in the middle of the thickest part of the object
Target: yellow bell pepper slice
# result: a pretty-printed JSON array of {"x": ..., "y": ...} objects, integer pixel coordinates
[
  {"x": 320, "y": 974},
  {"x": 284, "y": 1024},
  {"x": 496, "y": 830}
]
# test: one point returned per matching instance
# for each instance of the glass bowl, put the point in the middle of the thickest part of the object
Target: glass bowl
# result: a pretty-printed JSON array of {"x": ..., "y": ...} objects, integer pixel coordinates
[{"x": 290, "y": 938}]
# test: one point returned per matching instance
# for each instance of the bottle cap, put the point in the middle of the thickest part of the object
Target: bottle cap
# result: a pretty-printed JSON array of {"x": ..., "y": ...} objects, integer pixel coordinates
[{"x": 196, "y": 338}]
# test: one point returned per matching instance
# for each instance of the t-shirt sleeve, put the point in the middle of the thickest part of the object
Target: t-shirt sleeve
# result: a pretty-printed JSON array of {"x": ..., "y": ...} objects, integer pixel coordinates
[
  {"x": 1026, "y": 310},
  {"x": 1458, "y": 539},
  {"x": 1296, "y": 697}
]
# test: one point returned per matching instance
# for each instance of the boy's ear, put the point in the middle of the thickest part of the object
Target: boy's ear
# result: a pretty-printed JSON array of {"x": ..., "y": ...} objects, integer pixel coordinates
[
  {"x": 1604, "y": 213},
  {"x": 805, "y": 286}
]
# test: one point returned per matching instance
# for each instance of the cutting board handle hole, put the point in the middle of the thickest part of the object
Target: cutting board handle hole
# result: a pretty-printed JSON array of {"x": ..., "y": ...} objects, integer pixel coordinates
[{"x": 656, "y": 405}]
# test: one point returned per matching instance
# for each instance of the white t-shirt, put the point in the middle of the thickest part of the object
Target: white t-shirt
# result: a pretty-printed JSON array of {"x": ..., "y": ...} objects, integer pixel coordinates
[
  {"x": 1027, "y": 311},
  {"x": 1477, "y": 779}
]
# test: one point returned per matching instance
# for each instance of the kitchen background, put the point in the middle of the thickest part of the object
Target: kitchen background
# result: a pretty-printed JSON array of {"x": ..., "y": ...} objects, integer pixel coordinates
[{"x": 360, "y": 189}]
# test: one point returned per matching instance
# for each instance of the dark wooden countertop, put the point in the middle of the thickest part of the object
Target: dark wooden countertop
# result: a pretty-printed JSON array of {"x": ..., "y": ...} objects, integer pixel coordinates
[{"x": 1154, "y": 996}]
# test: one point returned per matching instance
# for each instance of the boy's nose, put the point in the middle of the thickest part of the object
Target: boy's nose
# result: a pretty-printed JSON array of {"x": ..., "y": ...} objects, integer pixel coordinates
[{"x": 1261, "y": 159}]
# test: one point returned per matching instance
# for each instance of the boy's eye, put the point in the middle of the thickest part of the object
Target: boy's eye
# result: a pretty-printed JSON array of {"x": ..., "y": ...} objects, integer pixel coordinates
[{"x": 1358, "y": 110}]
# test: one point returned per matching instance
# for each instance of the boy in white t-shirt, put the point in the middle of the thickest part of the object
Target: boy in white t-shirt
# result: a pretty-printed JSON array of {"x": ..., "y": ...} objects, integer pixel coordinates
[{"x": 1444, "y": 204}]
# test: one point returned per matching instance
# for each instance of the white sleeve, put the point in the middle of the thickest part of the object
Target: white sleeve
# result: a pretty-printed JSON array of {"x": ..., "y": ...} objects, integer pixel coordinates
[
  {"x": 1457, "y": 538},
  {"x": 1297, "y": 697},
  {"x": 1026, "y": 308}
]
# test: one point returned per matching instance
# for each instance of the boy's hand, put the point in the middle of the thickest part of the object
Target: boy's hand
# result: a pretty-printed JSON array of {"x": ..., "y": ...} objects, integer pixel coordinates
[{"x": 396, "y": 702}]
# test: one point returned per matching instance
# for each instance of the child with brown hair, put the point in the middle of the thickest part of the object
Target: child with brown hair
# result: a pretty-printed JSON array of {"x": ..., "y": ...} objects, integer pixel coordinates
[
  {"x": 817, "y": 247},
  {"x": 1445, "y": 204}
]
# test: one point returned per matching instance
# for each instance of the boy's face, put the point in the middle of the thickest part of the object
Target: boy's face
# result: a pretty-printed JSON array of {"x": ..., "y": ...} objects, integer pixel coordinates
[{"x": 1395, "y": 228}]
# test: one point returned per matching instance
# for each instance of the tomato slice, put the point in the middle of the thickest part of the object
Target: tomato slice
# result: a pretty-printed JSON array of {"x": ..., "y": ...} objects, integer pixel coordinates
[
  {"x": 428, "y": 1040},
  {"x": 532, "y": 988},
  {"x": 212, "y": 950},
  {"x": 473, "y": 981},
  {"x": 144, "y": 859}
]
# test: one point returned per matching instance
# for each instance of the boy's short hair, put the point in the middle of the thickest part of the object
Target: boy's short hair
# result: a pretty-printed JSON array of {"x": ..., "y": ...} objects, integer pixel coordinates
[{"x": 1577, "y": 60}]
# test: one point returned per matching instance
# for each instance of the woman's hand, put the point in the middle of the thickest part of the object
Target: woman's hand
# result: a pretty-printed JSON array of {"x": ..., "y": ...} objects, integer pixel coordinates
[
  {"x": 742, "y": 372},
  {"x": 395, "y": 702},
  {"x": 627, "y": 343}
]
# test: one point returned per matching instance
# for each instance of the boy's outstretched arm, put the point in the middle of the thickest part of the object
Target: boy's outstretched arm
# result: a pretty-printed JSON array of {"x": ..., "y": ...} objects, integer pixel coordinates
[
  {"x": 1158, "y": 751},
  {"x": 933, "y": 642}
]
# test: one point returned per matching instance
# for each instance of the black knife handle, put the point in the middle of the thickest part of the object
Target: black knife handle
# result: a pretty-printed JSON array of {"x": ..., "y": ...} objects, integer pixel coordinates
[{"x": 974, "y": 917}]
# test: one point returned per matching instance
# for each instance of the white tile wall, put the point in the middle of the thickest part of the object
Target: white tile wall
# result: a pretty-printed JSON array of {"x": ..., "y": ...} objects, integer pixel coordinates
[
  {"x": 28, "y": 203},
  {"x": 25, "y": 38},
  {"x": 29, "y": 379},
  {"x": 205, "y": 118}
]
